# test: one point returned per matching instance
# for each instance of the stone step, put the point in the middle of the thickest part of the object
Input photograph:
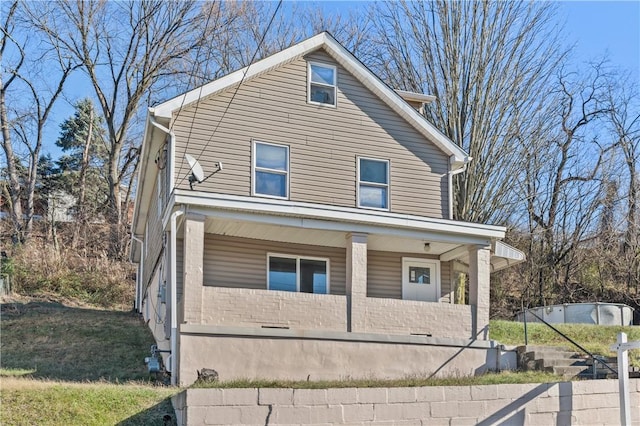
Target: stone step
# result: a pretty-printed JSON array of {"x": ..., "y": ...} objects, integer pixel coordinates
[
  {"x": 550, "y": 354},
  {"x": 542, "y": 363},
  {"x": 569, "y": 371},
  {"x": 533, "y": 348}
]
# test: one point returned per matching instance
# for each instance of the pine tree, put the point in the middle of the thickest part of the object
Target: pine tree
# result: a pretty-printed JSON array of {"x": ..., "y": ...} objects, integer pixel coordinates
[{"x": 84, "y": 163}]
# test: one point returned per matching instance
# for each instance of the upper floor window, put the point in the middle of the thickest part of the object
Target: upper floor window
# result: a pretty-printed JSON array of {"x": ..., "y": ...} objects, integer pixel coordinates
[
  {"x": 322, "y": 84},
  {"x": 298, "y": 274},
  {"x": 373, "y": 183},
  {"x": 270, "y": 170}
]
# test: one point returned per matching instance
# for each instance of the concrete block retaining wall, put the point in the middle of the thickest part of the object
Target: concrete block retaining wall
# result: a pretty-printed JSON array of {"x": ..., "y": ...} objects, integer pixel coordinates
[{"x": 567, "y": 403}]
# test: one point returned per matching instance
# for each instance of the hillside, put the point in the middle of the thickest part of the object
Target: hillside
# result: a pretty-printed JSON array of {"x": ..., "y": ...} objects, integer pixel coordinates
[{"x": 87, "y": 365}]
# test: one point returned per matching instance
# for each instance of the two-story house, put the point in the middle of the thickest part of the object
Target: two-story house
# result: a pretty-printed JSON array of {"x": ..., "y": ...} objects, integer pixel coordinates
[{"x": 293, "y": 221}]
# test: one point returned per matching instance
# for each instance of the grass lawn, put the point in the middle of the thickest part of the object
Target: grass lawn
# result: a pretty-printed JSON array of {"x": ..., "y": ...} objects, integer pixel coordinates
[
  {"x": 595, "y": 338},
  {"x": 65, "y": 365},
  {"x": 37, "y": 402}
]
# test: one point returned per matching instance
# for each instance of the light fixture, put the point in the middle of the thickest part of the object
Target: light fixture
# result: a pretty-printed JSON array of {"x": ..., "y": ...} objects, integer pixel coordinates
[{"x": 427, "y": 247}]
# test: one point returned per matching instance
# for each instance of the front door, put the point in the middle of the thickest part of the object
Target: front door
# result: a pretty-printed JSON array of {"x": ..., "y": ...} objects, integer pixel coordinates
[{"x": 420, "y": 279}]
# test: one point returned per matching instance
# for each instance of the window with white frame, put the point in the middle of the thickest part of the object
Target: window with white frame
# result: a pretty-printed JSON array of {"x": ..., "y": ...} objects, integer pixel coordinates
[
  {"x": 270, "y": 170},
  {"x": 322, "y": 84},
  {"x": 298, "y": 274},
  {"x": 373, "y": 183}
]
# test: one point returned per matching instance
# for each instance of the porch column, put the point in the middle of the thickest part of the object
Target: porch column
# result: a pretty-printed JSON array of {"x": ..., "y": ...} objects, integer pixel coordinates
[
  {"x": 192, "y": 268},
  {"x": 356, "y": 287},
  {"x": 479, "y": 272}
]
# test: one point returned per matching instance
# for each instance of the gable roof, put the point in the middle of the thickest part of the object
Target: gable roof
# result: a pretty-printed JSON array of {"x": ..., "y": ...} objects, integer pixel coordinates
[{"x": 324, "y": 41}]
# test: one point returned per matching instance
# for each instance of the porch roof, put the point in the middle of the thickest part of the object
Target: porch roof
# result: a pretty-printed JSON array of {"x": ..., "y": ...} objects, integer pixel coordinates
[{"x": 326, "y": 225}]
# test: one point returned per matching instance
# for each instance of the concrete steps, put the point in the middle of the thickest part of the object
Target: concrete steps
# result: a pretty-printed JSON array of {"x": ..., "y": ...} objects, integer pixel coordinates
[{"x": 560, "y": 361}]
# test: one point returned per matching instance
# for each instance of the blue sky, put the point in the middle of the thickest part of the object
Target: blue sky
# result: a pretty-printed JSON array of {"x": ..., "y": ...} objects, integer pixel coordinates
[
  {"x": 594, "y": 28},
  {"x": 605, "y": 27}
]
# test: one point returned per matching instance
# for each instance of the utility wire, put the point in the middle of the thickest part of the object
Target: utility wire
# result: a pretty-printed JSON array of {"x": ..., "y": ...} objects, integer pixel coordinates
[{"x": 264, "y": 35}]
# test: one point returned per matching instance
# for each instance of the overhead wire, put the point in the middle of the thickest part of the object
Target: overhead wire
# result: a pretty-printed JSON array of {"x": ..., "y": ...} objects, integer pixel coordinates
[{"x": 246, "y": 71}]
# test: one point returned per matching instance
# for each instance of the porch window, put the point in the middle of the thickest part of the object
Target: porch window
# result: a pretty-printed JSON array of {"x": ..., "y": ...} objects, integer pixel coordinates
[
  {"x": 292, "y": 273},
  {"x": 270, "y": 170},
  {"x": 373, "y": 183},
  {"x": 322, "y": 84}
]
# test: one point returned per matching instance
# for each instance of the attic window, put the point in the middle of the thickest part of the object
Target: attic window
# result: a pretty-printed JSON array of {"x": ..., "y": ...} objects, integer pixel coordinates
[{"x": 322, "y": 84}]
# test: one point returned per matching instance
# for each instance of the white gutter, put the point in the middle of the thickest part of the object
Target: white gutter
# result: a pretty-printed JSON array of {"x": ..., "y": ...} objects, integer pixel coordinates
[
  {"x": 172, "y": 147},
  {"x": 174, "y": 298},
  {"x": 451, "y": 174},
  {"x": 140, "y": 277}
]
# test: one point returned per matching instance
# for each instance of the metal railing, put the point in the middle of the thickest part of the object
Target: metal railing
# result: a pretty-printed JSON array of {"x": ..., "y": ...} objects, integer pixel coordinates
[{"x": 595, "y": 359}]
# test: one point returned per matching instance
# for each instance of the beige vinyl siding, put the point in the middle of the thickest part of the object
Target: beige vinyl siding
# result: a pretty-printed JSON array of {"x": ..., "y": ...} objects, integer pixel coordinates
[
  {"x": 384, "y": 275},
  {"x": 153, "y": 242},
  {"x": 242, "y": 262},
  {"x": 324, "y": 141}
]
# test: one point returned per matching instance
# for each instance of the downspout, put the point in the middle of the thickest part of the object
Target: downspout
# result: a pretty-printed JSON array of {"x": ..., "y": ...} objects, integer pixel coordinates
[
  {"x": 140, "y": 276},
  {"x": 172, "y": 149},
  {"x": 174, "y": 298},
  {"x": 451, "y": 174}
]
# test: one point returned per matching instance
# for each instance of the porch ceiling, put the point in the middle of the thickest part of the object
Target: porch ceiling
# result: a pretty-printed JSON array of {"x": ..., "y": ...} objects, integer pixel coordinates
[{"x": 289, "y": 234}]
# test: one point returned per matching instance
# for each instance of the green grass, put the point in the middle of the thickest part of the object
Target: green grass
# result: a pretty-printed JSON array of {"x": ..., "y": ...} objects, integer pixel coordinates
[
  {"x": 63, "y": 365},
  {"x": 506, "y": 377},
  {"x": 57, "y": 342},
  {"x": 594, "y": 338},
  {"x": 26, "y": 402}
]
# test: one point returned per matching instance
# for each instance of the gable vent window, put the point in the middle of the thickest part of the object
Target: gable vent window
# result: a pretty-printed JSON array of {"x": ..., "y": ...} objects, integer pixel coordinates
[
  {"x": 270, "y": 170},
  {"x": 322, "y": 84},
  {"x": 373, "y": 183}
]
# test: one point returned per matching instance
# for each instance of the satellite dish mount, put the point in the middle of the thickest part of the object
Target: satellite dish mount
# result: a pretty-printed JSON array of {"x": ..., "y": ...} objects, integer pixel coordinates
[{"x": 197, "y": 173}]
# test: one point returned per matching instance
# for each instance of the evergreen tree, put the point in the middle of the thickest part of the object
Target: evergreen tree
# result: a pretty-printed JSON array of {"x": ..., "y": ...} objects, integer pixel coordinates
[{"x": 83, "y": 166}]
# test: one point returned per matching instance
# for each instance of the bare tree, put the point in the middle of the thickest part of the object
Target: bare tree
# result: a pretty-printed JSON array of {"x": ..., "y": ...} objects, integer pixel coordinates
[
  {"x": 28, "y": 125},
  {"x": 561, "y": 183},
  {"x": 489, "y": 64},
  {"x": 624, "y": 120},
  {"x": 126, "y": 48}
]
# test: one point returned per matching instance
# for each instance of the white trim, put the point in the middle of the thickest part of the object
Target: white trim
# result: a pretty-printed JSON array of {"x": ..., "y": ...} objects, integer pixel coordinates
[
  {"x": 433, "y": 263},
  {"x": 297, "y": 258},
  {"x": 255, "y": 168},
  {"x": 333, "y": 86},
  {"x": 339, "y": 218},
  {"x": 373, "y": 184},
  {"x": 415, "y": 97}
]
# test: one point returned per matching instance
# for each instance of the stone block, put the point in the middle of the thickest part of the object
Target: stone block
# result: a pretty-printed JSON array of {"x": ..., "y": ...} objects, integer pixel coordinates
[
  {"x": 401, "y": 395},
  {"x": 416, "y": 410},
  {"x": 305, "y": 397},
  {"x": 219, "y": 416},
  {"x": 240, "y": 396},
  {"x": 547, "y": 404},
  {"x": 331, "y": 414},
  {"x": 471, "y": 409},
  {"x": 445, "y": 409},
  {"x": 542, "y": 418},
  {"x": 342, "y": 396},
  {"x": 457, "y": 393},
  {"x": 429, "y": 394},
  {"x": 372, "y": 395},
  {"x": 388, "y": 411},
  {"x": 290, "y": 415},
  {"x": 481, "y": 393},
  {"x": 358, "y": 412},
  {"x": 463, "y": 421},
  {"x": 204, "y": 397},
  {"x": 254, "y": 415},
  {"x": 267, "y": 396}
]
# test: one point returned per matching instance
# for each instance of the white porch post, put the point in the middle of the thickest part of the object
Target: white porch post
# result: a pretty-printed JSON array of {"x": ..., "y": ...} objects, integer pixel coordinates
[
  {"x": 479, "y": 273},
  {"x": 356, "y": 287},
  {"x": 192, "y": 268}
]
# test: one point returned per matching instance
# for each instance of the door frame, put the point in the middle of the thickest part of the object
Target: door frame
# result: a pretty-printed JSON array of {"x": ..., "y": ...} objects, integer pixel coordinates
[{"x": 434, "y": 264}]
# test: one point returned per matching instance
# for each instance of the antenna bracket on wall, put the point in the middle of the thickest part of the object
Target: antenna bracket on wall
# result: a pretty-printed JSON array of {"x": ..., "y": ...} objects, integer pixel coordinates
[{"x": 197, "y": 173}]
